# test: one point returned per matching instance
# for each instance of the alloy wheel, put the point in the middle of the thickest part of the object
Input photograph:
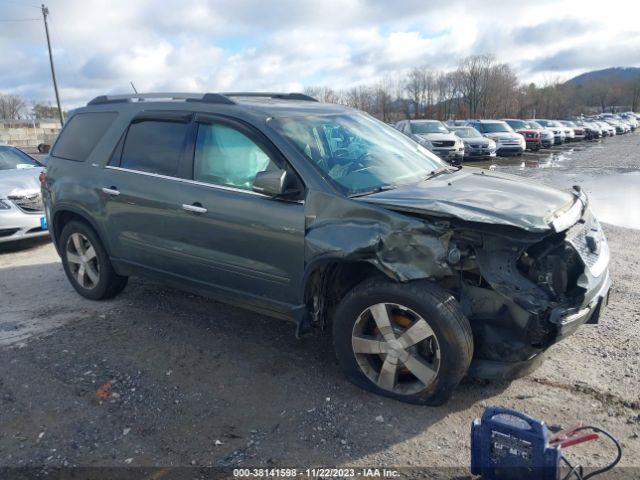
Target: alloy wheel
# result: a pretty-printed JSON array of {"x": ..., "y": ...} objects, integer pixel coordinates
[
  {"x": 83, "y": 261},
  {"x": 396, "y": 348}
]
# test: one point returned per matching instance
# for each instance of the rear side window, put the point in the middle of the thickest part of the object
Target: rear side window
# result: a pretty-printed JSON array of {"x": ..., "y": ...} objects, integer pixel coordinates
[
  {"x": 154, "y": 146},
  {"x": 81, "y": 134}
]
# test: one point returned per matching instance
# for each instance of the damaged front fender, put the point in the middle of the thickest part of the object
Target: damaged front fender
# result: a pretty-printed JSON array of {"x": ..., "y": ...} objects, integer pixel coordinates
[{"x": 401, "y": 247}]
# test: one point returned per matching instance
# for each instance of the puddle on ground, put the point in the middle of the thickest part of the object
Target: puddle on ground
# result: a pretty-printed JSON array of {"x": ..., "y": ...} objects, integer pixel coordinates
[
  {"x": 615, "y": 198},
  {"x": 543, "y": 159},
  {"x": 613, "y": 195}
]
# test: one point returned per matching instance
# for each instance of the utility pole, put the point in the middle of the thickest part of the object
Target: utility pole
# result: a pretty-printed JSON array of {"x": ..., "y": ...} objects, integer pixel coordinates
[{"x": 45, "y": 12}]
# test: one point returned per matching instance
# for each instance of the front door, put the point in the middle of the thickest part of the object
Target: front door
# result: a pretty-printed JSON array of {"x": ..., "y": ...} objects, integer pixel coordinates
[{"x": 239, "y": 239}]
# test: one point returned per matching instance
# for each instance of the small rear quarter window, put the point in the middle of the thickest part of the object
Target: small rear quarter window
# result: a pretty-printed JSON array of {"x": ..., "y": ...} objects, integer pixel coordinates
[{"x": 81, "y": 134}]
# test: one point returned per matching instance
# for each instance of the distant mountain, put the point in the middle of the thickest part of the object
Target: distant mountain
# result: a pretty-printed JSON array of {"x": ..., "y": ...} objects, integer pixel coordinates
[{"x": 608, "y": 74}]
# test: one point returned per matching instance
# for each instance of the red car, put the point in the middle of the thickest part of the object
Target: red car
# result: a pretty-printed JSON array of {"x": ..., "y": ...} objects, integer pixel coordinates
[{"x": 531, "y": 136}]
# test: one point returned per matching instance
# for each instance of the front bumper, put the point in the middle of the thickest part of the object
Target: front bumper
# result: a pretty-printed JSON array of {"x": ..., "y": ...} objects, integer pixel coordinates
[
  {"x": 533, "y": 143},
  {"x": 568, "y": 321},
  {"x": 511, "y": 338},
  {"x": 479, "y": 152},
  {"x": 16, "y": 225},
  {"x": 510, "y": 149},
  {"x": 447, "y": 153}
]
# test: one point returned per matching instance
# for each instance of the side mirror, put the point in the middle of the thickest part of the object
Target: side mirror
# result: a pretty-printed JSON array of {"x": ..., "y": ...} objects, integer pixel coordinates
[
  {"x": 44, "y": 148},
  {"x": 270, "y": 182}
]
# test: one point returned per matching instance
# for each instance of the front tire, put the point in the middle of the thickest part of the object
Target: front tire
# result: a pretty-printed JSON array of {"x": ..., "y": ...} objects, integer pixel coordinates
[
  {"x": 406, "y": 341},
  {"x": 87, "y": 264}
]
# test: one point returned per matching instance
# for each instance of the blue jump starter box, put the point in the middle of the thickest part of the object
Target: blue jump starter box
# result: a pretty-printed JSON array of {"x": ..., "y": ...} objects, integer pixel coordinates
[{"x": 509, "y": 445}]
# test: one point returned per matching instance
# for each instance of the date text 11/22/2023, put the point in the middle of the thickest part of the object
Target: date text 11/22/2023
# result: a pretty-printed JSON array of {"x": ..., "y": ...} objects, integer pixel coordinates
[{"x": 315, "y": 472}]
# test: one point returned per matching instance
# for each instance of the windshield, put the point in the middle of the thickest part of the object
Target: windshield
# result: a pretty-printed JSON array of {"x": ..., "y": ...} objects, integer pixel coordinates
[
  {"x": 466, "y": 132},
  {"x": 11, "y": 159},
  {"x": 536, "y": 125},
  {"x": 516, "y": 123},
  {"x": 494, "y": 127},
  {"x": 357, "y": 152},
  {"x": 428, "y": 127},
  {"x": 545, "y": 123},
  {"x": 567, "y": 123}
]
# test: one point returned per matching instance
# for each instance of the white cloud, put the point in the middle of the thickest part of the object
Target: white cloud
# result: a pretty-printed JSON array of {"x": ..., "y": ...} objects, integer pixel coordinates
[{"x": 198, "y": 45}]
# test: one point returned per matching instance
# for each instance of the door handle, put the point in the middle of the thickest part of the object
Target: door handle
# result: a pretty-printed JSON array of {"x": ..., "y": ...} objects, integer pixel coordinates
[
  {"x": 113, "y": 191},
  {"x": 195, "y": 208}
]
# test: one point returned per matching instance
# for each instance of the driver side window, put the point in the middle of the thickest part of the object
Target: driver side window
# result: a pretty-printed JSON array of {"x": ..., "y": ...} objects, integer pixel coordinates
[{"x": 226, "y": 156}]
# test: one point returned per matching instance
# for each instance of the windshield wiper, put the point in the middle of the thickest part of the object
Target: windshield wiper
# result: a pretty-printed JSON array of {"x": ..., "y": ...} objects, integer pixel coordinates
[
  {"x": 381, "y": 188},
  {"x": 441, "y": 171}
]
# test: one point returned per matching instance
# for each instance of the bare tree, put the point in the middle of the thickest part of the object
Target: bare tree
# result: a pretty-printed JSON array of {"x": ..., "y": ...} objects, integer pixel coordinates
[
  {"x": 11, "y": 106},
  {"x": 473, "y": 76},
  {"x": 383, "y": 89},
  {"x": 634, "y": 87},
  {"x": 501, "y": 92},
  {"x": 416, "y": 85},
  {"x": 322, "y": 93}
]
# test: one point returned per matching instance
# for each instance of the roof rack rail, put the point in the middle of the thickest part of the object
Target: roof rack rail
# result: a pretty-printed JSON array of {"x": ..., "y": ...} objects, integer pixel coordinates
[
  {"x": 141, "y": 97},
  {"x": 274, "y": 95},
  {"x": 220, "y": 98}
]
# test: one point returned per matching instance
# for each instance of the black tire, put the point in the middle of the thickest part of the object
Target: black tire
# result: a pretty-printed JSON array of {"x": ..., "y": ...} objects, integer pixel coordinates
[
  {"x": 449, "y": 327},
  {"x": 108, "y": 283}
]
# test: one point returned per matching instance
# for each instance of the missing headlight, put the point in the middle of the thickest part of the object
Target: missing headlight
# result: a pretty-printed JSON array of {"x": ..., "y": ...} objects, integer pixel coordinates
[{"x": 554, "y": 267}]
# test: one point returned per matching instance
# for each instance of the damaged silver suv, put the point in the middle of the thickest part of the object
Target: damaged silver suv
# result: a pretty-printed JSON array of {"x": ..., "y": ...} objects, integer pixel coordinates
[{"x": 323, "y": 215}]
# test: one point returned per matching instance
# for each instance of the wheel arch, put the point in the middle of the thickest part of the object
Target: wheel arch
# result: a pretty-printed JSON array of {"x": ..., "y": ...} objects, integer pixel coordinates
[
  {"x": 66, "y": 214},
  {"x": 327, "y": 280}
]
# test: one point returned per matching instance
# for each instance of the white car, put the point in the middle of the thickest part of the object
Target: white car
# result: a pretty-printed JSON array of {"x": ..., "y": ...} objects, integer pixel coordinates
[
  {"x": 611, "y": 130},
  {"x": 569, "y": 133},
  {"x": 557, "y": 128},
  {"x": 435, "y": 137},
  {"x": 21, "y": 210},
  {"x": 507, "y": 140}
]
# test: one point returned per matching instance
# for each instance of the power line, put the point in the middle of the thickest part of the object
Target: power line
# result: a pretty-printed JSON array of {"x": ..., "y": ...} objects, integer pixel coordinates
[
  {"x": 4, "y": 20},
  {"x": 22, "y": 4}
]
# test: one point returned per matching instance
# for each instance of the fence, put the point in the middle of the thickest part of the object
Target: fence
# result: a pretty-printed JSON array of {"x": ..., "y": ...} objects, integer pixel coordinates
[{"x": 27, "y": 134}]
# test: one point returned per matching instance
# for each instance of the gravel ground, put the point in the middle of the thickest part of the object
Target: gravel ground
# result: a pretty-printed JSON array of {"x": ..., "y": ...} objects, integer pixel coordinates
[{"x": 161, "y": 377}]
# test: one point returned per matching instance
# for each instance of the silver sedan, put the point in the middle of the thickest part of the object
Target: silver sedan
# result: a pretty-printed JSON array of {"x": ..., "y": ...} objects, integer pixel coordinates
[{"x": 21, "y": 210}]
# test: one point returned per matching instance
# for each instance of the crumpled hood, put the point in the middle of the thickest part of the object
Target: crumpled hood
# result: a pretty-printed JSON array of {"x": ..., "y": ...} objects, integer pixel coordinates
[
  {"x": 19, "y": 181},
  {"x": 438, "y": 137},
  {"x": 476, "y": 195}
]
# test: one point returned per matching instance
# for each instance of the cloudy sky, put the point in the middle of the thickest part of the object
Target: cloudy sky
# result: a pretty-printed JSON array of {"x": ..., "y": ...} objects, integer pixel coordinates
[{"x": 199, "y": 45}]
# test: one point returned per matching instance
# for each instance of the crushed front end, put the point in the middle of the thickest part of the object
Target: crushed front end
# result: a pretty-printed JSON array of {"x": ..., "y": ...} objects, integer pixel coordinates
[{"x": 524, "y": 291}]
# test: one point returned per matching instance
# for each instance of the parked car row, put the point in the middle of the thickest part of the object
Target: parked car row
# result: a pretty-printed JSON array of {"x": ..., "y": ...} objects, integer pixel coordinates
[{"x": 480, "y": 139}]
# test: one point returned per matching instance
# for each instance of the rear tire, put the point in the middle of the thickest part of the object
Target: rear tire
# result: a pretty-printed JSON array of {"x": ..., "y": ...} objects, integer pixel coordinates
[
  {"x": 409, "y": 341},
  {"x": 87, "y": 263}
]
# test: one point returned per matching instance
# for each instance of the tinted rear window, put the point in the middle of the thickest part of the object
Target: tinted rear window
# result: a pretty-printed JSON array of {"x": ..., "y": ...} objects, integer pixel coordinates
[
  {"x": 81, "y": 134},
  {"x": 154, "y": 147}
]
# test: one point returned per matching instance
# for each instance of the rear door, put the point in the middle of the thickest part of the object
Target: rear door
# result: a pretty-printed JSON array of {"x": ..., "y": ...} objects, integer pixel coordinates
[{"x": 142, "y": 188}]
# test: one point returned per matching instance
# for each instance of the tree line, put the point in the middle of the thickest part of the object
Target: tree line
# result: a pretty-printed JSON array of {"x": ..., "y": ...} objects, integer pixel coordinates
[
  {"x": 14, "y": 107},
  {"x": 480, "y": 87}
]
